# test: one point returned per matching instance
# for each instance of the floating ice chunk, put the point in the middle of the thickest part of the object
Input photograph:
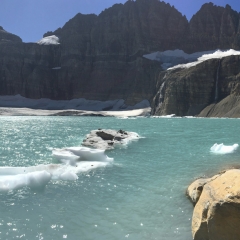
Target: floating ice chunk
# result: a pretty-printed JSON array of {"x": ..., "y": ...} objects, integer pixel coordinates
[
  {"x": 80, "y": 153},
  {"x": 50, "y": 40},
  {"x": 79, "y": 160},
  {"x": 68, "y": 176},
  {"x": 65, "y": 156},
  {"x": 88, "y": 166},
  {"x": 222, "y": 149},
  {"x": 76, "y": 160},
  {"x": 34, "y": 180},
  {"x": 132, "y": 137},
  {"x": 38, "y": 180}
]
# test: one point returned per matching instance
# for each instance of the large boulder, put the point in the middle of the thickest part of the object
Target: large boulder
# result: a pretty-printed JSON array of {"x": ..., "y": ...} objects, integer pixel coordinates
[{"x": 216, "y": 215}]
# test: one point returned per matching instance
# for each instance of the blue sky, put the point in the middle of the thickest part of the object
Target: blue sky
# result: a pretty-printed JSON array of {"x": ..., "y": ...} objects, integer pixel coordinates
[{"x": 30, "y": 19}]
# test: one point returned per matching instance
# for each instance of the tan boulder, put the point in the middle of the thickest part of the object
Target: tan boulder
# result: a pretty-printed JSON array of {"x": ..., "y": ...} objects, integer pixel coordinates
[
  {"x": 216, "y": 215},
  {"x": 194, "y": 191}
]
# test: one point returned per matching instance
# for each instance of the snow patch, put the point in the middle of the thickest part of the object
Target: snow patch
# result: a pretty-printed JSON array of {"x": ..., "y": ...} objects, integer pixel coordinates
[
  {"x": 50, "y": 40},
  {"x": 222, "y": 149},
  {"x": 172, "y": 59}
]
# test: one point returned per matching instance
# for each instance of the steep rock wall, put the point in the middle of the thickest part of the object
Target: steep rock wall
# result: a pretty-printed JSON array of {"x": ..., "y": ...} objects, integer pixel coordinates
[
  {"x": 189, "y": 91},
  {"x": 100, "y": 57}
]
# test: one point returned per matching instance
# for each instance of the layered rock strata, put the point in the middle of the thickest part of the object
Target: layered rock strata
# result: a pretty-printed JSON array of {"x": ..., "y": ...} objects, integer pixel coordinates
[
  {"x": 216, "y": 213},
  {"x": 100, "y": 57},
  {"x": 208, "y": 89}
]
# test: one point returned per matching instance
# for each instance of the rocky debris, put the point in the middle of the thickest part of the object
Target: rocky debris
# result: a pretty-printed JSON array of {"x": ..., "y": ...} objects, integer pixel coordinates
[
  {"x": 216, "y": 214},
  {"x": 108, "y": 139}
]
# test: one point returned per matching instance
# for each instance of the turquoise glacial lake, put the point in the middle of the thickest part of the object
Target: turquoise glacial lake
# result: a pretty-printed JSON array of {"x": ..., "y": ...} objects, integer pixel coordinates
[{"x": 140, "y": 195}]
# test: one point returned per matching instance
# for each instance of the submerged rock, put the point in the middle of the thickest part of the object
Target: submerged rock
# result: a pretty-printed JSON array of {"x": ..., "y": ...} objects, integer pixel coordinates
[
  {"x": 108, "y": 139},
  {"x": 217, "y": 211}
]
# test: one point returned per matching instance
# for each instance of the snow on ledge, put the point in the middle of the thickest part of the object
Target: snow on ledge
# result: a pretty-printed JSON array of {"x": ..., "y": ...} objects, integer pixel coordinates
[
  {"x": 172, "y": 59},
  {"x": 50, "y": 40}
]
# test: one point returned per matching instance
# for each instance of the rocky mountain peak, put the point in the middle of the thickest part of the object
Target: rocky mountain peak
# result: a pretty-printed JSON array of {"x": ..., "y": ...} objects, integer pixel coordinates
[
  {"x": 8, "y": 37},
  {"x": 214, "y": 27},
  {"x": 101, "y": 57}
]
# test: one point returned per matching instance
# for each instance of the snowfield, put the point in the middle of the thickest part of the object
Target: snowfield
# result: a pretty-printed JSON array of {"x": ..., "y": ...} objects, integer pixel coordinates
[
  {"x": 50, "y": 40},
  {"x": 172, "y": 59},
  {"x": 21, "y": 106}
]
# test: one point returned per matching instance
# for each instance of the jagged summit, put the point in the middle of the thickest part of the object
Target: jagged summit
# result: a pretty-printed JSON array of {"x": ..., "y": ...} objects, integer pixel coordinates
[{"x": 8, "y": 37}]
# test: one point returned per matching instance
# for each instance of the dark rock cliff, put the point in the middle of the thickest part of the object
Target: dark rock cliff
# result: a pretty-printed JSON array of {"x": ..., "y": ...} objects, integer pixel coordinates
[
  {"x": 188, "y": 91},
  {"x": 100, "y": 57},
  {"x": 8, "y": 37},
  {"x": 213, "y": 27}
]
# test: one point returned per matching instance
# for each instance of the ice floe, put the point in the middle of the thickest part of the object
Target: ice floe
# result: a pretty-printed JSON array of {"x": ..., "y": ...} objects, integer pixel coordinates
[
  {"x": 172, "y": 59},
  {"x": 165, "y": 116},
  {"x": 223, "y": 149},
  {"x": 74, "y": 161},
  {"x": 50, "y": 40}
]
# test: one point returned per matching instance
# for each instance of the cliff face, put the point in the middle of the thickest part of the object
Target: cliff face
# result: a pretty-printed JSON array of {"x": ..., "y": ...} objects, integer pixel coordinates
[
  {"x": 100, "y": 57},
  {"x": 26, "y": 69},
  {"x": 188, "y": 91},
  {"x": 213, "y": 27}
]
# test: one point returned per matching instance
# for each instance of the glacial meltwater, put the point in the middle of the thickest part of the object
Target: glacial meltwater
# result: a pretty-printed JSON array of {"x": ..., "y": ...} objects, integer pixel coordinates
[{"x": 137, "y": 192}]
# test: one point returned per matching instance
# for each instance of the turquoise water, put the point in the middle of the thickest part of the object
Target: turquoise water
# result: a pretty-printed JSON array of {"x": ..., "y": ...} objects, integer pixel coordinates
[{"x": 140, "y": 196}]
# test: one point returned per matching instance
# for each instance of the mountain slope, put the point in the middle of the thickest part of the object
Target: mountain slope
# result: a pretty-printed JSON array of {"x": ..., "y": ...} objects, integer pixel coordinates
[{"x": 101, "y": 57}]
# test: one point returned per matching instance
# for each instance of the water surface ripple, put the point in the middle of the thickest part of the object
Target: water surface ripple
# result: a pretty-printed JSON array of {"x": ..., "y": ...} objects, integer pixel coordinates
[{"x": 141, "y": 196}]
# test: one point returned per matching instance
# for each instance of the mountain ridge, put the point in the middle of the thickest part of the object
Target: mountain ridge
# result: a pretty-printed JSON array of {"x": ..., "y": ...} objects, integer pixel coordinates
[{"x": 101, "y": 57}]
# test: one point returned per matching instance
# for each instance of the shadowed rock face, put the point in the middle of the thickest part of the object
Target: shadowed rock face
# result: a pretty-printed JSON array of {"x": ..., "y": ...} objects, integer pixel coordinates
[
  {"x": 105, "y": 60},
  {"x": 189, "y": 91},
  {"x": 8, "y": 37},
  {"x": 100, "y": 57},
  {"x": 213, "y": 27}
]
